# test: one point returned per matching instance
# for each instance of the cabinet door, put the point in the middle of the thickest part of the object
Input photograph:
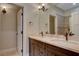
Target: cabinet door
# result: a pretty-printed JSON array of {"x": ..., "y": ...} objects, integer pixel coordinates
[
  {"x": 53, "y": 51},
  {"x": 50, "y": 52},
  {"x": 42, "y": 49},
  {"x": 34, "y": 48}
]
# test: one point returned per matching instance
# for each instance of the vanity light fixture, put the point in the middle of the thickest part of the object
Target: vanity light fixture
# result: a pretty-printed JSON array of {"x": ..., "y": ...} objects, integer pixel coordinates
[
  {"x": 42, "y": 7},
  {"x": 4, "y": 10}
]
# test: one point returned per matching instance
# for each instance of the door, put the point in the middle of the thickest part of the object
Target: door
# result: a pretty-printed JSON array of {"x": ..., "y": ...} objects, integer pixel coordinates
[
  {"x": 19, "y": 32},
  {"x": 52, "y": 24}
]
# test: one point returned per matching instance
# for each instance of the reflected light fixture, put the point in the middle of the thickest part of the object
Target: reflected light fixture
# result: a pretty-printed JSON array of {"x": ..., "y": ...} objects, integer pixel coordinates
[
  {"x": 42, "y": 7},
  {"x": 4, "y": 10}
]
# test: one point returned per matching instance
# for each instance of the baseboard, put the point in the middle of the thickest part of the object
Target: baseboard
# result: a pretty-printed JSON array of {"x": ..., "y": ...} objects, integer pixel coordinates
[{"x": 8, "y": 52}]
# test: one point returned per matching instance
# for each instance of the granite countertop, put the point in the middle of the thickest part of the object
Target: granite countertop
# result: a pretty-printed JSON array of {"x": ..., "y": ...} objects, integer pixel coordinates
[{"x": 60, "y": 41}]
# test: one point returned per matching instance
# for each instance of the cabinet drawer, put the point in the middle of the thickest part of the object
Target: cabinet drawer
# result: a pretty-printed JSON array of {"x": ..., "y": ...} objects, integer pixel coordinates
[
  {"x": 42, "y": 48},
  {"x": 60, "y": 51}
]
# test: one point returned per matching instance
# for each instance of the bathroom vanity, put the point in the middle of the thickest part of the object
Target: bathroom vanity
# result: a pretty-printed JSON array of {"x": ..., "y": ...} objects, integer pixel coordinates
[{"x": 51, "y": 46}]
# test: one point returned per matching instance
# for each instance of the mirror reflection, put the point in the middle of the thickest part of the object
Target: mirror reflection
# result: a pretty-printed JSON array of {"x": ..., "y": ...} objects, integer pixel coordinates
[{"x": 55, "y": 18}]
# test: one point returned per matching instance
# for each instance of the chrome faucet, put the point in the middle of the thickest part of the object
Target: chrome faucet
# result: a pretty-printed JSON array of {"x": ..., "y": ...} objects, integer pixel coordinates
[{"x": 66, "y": 35}]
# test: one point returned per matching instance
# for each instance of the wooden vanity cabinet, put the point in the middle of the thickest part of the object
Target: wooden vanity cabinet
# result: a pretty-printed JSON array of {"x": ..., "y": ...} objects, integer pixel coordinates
[
  {"x": 38, "y": 48},
  {"x": 42, "y": 49},
  {"x": 34, "y": 48},
  {"x": 57, "y": 51},
  {"x": 53, "y": 51}
]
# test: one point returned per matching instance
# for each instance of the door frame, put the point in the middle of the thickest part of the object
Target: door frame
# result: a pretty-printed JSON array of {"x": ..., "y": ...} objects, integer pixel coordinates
[
  {"x": 21, "y": 32},
  {"x": 22, "y": 24}
]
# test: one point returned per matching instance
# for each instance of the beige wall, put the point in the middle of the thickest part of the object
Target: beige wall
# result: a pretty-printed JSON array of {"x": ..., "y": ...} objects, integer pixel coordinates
[{"x": 8, "y": 29}]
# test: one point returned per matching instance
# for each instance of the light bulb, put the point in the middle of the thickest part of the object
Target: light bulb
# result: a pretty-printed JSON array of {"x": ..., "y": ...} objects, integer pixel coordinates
[
  {"x": 39, "y": 7},
  {"x": 4, "y": 7},
  {"x": 43, "y": 4}
]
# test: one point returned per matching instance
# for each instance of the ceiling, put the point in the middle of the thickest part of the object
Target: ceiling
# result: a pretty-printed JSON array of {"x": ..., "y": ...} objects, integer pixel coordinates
[
  {"x": 9, "y": 5},
  {"x": 66, "y": 6}
]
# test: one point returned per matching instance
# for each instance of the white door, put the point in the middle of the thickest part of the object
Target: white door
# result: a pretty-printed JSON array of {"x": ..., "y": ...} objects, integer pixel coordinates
[{"x": 19, "y": 30}]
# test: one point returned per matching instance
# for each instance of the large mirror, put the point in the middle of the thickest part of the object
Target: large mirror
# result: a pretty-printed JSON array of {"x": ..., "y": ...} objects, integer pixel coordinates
[
  {"x": 60, "y": 22},
  {"x": 55, "y": 20}
]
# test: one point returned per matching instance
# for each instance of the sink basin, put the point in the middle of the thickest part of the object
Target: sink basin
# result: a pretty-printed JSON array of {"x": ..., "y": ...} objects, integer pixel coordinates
[
  {"x": 72, "y": 39},
  {"x": 54, "y": 38},
  {"x": 59, "y": 38}
]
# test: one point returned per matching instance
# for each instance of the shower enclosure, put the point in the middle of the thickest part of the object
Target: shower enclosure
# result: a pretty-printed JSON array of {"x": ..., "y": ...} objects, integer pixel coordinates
[{"x": 9, "y": 29}]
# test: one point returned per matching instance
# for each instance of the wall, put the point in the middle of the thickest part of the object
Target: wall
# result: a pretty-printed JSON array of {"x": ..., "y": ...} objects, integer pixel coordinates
[{"x": 8, "y": 29}]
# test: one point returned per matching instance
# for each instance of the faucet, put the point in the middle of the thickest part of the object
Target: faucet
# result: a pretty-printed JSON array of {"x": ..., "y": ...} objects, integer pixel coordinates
[
  {"x": 66, "y": 35},
  {"x": 42, "y": 34}
]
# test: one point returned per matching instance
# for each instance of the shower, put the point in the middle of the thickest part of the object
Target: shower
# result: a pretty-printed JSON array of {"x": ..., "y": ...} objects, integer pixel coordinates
[{"x": 9, "y": 28}]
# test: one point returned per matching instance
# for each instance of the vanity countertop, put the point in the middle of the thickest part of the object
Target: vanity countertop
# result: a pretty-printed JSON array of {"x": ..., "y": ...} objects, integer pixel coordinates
[{"x": 59, "y": 40}]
